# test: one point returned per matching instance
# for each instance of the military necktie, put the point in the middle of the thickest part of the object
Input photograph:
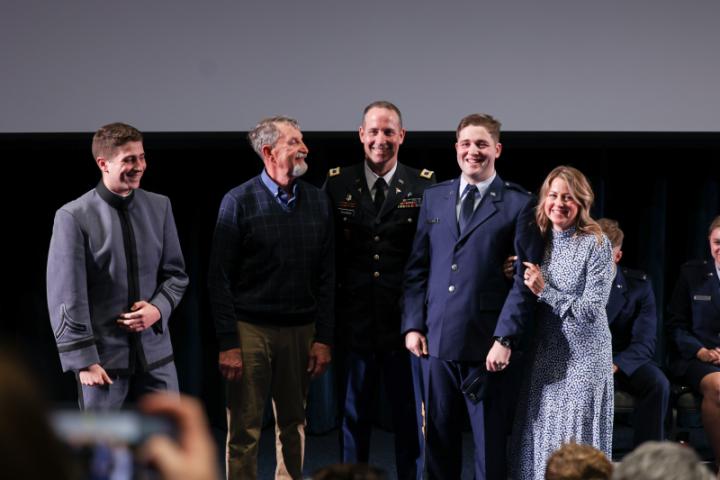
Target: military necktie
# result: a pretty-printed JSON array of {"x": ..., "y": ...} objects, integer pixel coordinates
[
  {"x": 467, "y": 207},
  {"x": 380, "y": 185}
]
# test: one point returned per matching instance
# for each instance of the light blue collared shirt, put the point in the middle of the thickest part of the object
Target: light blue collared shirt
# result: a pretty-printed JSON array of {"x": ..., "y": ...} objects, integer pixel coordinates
[
  {"x": 482, "y": 188},
  {"x": 281, "y": 196}
]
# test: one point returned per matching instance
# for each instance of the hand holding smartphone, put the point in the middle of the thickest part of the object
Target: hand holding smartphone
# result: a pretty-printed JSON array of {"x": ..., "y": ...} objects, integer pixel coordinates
[
  {"x": 108, "y": 444},
  {"x": 168, "y": 438}
]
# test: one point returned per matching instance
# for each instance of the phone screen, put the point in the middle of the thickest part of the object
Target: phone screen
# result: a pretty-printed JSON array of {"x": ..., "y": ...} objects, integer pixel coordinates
[{"x": 105, "y": 444}]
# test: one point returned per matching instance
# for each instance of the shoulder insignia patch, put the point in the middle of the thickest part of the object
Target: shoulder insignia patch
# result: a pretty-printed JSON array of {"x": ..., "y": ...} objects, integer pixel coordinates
[
  {"x": 517, "y": 188},
  {"x": 425, "y": 173},
  {"x": 636, "y": 274},
  {"x": 695, "y": 264},
  {"x": 334, "y": 172}
]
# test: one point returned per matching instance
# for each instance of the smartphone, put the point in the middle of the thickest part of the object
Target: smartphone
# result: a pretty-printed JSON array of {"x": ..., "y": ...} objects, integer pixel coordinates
[{"x": 105, "y": 444}]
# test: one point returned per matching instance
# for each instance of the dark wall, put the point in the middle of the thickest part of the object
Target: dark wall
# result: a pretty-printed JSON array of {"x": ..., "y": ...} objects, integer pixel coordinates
[{"x": 663, "y": 188}]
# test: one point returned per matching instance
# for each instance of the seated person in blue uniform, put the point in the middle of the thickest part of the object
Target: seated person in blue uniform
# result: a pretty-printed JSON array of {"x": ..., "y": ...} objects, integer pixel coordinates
[
  {"x": 694, "y": 328},
  {"x": 633, "y": 325}
]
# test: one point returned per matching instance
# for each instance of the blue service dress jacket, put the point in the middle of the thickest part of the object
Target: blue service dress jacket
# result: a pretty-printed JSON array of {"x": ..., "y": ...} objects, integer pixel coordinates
[
  {"x": 632, "y": 315},
  {"x": 455, "y": 290},
  {"x": 106, "y": 253},
  {"x": 694, "y": 313}
]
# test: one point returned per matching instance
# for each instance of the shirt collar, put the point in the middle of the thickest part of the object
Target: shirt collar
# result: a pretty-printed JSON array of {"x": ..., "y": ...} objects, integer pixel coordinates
[
  {"x": 482, "y": 186},
  {"x": 277, "y": 192},
  {"x": 371, "y": 177},
  {"x": 113, "y": 199}
]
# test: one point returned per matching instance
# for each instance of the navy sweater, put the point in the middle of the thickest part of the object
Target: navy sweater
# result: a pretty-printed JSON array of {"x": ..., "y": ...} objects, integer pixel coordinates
[{"x": 270, "y": 265}]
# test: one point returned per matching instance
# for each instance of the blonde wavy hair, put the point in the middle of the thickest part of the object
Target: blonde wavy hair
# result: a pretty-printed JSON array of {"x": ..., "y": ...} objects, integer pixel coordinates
[{"x": 581, "y": 192}]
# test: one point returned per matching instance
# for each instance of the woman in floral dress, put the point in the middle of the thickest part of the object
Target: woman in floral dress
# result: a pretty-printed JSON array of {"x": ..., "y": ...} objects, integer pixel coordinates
[{"x": 569, "y": 393}]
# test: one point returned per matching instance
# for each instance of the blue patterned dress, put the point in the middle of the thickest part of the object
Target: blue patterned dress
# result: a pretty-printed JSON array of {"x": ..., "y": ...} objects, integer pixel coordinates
[{"x": 569, "y": 393}]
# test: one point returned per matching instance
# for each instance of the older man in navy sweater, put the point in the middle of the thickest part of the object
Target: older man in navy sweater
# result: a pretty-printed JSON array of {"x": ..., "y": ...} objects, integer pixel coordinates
[{"x": 271, "y": 285}]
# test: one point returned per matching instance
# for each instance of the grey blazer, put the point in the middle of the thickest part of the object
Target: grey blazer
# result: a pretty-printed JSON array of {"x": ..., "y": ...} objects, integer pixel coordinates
[{"x": 106, "y": 253}]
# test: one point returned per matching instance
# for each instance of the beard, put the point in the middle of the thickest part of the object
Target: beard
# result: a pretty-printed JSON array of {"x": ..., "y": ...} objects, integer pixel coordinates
[{"x": 299, "y": 169}]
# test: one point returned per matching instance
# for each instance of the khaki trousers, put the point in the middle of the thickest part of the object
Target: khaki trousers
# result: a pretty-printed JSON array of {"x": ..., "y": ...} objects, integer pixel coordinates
[{"x": 275, "y": 363}]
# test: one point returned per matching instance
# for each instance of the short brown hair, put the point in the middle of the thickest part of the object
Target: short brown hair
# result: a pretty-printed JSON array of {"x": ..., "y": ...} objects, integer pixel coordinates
[
  {"x": 578, "y": 462},
  {"x": 111, "y": 136},
  {"x": 491, "y": 124},
  {"x": 611, "y": 229},
  {"x": 715, "y": 224},
  {"x": 382, "y": 104}
]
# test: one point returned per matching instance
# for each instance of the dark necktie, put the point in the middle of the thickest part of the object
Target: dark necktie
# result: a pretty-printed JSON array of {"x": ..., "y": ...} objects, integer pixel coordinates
[
  {"x": 380, "y": 185},
  {"x": 467, "y": 207},
  {"x": 286, "y": 199}
]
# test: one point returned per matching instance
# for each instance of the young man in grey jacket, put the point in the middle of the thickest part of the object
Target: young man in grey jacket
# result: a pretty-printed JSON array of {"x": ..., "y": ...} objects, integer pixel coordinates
[{"x": 115, "y": 273}]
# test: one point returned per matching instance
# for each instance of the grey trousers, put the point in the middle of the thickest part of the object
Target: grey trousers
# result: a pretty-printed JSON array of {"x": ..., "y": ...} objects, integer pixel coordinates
[{"x": 110, "y": 397}]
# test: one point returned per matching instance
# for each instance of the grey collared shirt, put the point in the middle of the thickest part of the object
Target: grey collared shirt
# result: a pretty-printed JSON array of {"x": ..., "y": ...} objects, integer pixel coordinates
[{"x": 371, "y": 178}]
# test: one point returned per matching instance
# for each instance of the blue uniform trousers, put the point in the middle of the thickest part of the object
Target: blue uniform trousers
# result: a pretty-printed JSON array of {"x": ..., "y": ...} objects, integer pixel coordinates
[
  {"x": 490, "y": 419},
  {"x": 361, "y": 374},
  {"x": 651, "y": 390}
]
